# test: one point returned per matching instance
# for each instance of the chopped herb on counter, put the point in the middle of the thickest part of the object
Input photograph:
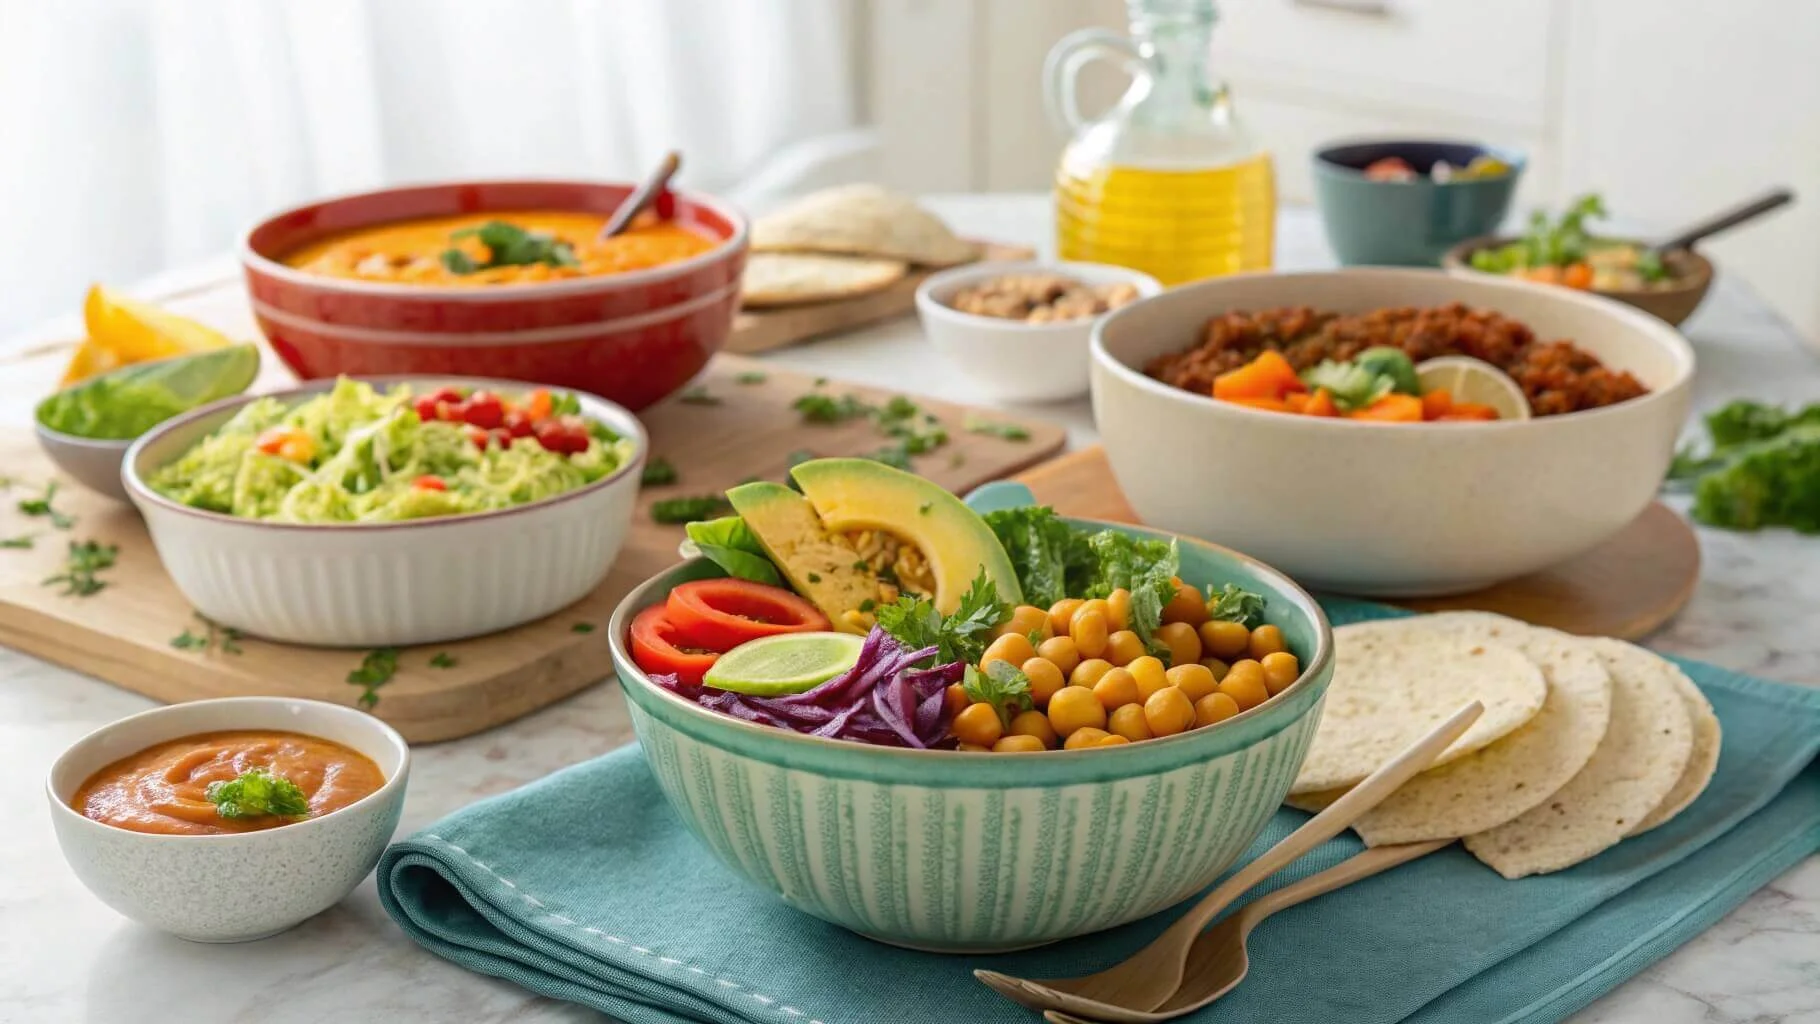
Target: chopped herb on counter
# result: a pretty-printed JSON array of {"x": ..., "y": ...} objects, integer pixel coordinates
[
  {"x": 816, "y": 407},
  {"x": 698, "y": 395},
  {"x": 443, "y": 659},
  {"x": 658, "y": 472},
  {"x": 256, "y": 794},
  {"x": 688, "y": 510},
  {"x": 23, "y": 542},
  {"x": 226, "y": 638},
  {"x": 1007, "y": 431},
  {"x": 86, "y": 558},
  {"x": 376, "y": 670},
  {"x": 41, "y": 506},
  {"x": 750, "y": 377},
  {"x": 896, "y": 456},
  {"x": 582, "y": 627},
  {"x": 188, "y": 641}
]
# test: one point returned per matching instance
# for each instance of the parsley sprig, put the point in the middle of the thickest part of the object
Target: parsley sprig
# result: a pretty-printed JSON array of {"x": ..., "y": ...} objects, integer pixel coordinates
[
  {"x": 376, "y": 670},
  {"x": 959, "y": 637},
  {"x": 987, "y": 428},
  {"x": 1002, "y": 685},
  {"x": 1235, "y": 605},
  {"x": 41, "y": 506},
  {"x": 225, "y": 638},
  {"x": 257, "y": 793},
  {"x": 86, "y": 559}
]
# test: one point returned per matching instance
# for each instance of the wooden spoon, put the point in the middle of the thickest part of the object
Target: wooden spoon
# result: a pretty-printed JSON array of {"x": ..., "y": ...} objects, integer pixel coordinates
[
  {"x": 1757, "y": 207},
  {"x": 1218, "y": 962},
  {"x": 1147, "y": 980},
  {"x": 635, "y": 204}
]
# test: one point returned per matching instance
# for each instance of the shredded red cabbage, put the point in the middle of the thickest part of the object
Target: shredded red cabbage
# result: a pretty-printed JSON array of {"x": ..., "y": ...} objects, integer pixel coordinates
[{"x": 880, "y": 700}]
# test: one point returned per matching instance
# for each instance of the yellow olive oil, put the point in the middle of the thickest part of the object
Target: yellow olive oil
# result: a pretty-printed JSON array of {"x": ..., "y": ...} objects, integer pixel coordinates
[{"x": 1175, "y": 225}]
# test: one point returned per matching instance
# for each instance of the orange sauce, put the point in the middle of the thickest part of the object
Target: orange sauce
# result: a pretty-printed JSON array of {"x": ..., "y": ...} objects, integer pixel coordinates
[
  {"x": 164, "y": 789},
  {"x": 410, "y": 252}
]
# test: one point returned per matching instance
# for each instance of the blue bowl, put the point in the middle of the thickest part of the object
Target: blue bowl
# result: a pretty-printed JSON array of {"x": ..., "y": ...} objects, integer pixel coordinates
[{"x": 1408, "y": 223}]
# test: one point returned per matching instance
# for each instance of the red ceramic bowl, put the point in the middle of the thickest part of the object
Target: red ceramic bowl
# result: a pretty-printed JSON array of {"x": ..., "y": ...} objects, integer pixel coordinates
[{"x": 632, "y": 337}]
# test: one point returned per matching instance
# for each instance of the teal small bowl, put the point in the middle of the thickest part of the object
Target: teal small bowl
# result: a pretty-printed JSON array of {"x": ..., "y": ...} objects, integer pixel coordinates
[
  {"x": 1408, "y": 223},
  {"x": 960, "y": 853}
]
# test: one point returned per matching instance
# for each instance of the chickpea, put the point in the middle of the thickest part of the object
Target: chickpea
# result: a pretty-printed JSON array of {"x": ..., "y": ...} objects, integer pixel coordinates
[
  {"x": 1183, "y": 642},
  {"x": 1266, "y": 640},
  {"x": 1217, "y": 667},
  {"x": 956, "y": 699},
  {"x": 1018, "y": 744},
  {"x": 1128, "y": 721},
  {"x": 1112, "y": 740},
  {"x": 1085, "y": 737},
  {"x": 1036, "y": 724},
  {"x": 1045, "y": 679},
  {"x": 1024, "y": 620},
  {"x": 1195, "y": 681},
  {"x": 1223, "y": 639},
  {"x": 1074, "y": 708},
  {"x": 1169, "y": 711},
  {"x": 1149, "y": 673},
  {"x": 1060, "y": 651},
  {"x": 1061, "y": 614},
  {"x": 1116, "y": 689},
  {"x": 1097, "y": 604},
  {"x": 1215, "y": 707},
  {"x": 1280, "y": 669},
  {"x": 1089, "y": 672},
  {"x": 1245, "y": 684},
  {"x": 1089, "y": 632},
  {"x": 1188, "y": 606},
  {"x": 1124, "y": 647},
  {"x": 1118, "y": 605},
  {"x": 973, "y": 748},
  {"x": 1012, "y": 647},
  {"x": 979, "y": 724}
]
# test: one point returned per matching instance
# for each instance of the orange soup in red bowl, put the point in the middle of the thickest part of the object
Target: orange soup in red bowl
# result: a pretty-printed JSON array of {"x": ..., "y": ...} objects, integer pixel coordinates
[{"x": 500, "y": 279}]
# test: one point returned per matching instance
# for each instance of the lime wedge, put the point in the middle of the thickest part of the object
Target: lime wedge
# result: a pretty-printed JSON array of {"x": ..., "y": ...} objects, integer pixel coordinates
[
  {"x": 127, "y": 402},
  {"x": 773, "y": 666},
  {"x": 1474, "y": 380}
]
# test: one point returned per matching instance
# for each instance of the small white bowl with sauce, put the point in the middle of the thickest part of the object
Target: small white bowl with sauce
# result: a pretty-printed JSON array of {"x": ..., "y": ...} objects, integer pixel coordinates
[{"x": 239, "y": 886}]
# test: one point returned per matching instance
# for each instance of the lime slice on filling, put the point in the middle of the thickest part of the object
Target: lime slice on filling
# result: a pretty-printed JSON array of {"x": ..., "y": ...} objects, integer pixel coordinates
[
  {"x": 1474, "y": 380},
  {"x": 787, "y": 663}
]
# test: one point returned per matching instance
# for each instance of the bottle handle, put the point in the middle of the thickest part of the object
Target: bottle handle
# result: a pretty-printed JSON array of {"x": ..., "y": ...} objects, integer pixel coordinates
[{"x": 1063, "y": 65}]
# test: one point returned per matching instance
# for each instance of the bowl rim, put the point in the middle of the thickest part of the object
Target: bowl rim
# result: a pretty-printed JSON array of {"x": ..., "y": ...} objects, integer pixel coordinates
[
  {"x": 1458, "y": 257},
  {"x": 636, "y": 600},
  {"x": 1664, "y": 335},
  {"x": 928, "y": 305},
  {"x": 391, "y": 789},
  {"x": 611, "y": 413},
  {"x": 256, "y": 262},
  {"x": 1515, "y": 159}
]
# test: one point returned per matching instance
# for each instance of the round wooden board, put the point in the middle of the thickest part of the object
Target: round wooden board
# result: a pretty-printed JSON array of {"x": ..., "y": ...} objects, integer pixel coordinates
[{"x": 1627, "y": 587}]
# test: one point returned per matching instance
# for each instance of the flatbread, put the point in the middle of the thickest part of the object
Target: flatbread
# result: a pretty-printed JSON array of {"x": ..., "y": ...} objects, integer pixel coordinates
[
  {"x": 1638, "y": 763},
  {"x": 1487, "y": 788},
  {"x": 861, "y": 220},
  {"x": 1392, "y": 686},
  {"x": 1701, "y": 763},
  {"x": 787, "y": 279}
]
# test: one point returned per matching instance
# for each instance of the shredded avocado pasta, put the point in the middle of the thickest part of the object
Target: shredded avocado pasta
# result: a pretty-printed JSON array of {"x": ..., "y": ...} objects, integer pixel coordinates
[{"x": 368, "y": 457}]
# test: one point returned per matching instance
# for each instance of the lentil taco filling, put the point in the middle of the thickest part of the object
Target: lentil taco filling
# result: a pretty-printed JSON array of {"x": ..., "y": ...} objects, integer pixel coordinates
[{"x": 1556, "y": 376}]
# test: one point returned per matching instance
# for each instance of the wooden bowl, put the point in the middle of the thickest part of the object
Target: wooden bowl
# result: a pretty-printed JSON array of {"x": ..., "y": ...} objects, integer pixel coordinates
[{"x": 1693, "y": 275}]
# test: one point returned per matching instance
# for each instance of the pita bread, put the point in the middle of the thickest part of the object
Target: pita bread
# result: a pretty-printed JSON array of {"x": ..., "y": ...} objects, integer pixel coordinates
[
  {"x": 1638, "y": 763},
  {"x": 1487, "y": 788},
  {"x": 1391, "y": 686},
  {"x": 861, "y": 220},
  {"x": 787, "y": 279},
  {"x": 1701, "y": 763}
]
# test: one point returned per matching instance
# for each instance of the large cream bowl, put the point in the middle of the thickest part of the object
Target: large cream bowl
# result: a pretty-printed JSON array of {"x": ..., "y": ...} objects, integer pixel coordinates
[
  {"x": 1388, "y": 509},
  {"x": 957, "y": 852}
]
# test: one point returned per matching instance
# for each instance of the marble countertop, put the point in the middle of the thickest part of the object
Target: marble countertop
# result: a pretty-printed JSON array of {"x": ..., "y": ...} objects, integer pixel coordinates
[{"x": 66, "y": 957}]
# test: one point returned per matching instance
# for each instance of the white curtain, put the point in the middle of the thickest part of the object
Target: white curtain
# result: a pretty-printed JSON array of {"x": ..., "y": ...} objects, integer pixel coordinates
[{"x": 137, "y": 135}]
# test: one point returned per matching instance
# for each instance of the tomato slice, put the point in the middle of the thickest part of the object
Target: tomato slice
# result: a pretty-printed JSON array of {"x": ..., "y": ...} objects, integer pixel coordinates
[
  {"x": 658, "y": 649},
  {"x": 721, "y": 614}
]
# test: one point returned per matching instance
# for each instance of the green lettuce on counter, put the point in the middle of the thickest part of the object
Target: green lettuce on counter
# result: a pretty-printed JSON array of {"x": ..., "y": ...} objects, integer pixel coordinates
[{"x": 1760, "y": 467}]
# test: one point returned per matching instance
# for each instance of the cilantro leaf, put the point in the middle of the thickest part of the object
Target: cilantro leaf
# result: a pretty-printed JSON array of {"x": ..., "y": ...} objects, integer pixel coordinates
[
  {"x": 657, "y": 472},
  {"x": 508, "y": 245},
  {"x": 258, "y": 793},
  {"x": 1007, "y": 431},
  {"x": 1235, "y": 605},
  {"x": 959, "y": 637},
  {"x": 376, "y": 670},
  {"x": 1002, "y": 685},
  {"x": 443, "y": 659},
  {"x": 41, "y": 506}
]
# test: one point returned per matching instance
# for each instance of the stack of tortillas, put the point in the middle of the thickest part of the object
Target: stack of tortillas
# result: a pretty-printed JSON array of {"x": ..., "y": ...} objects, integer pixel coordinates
[
  {"x": 843, "y": 242},
  {"x": 1583, "y": 741}
]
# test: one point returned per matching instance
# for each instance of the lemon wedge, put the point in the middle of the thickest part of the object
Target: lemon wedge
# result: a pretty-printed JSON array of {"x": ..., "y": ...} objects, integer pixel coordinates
[
  {"x": 1474, "y": 380},
  {"x": 123, "y": 331}
]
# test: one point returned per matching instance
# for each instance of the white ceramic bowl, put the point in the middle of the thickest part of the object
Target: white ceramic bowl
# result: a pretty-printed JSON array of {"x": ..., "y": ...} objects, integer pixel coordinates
[
  {"x": 1389, "y": 509},
  {"x": 386, "y": 584},
  {"x": 231, "y": 887},
  {"x": 1008, "y": 359}
]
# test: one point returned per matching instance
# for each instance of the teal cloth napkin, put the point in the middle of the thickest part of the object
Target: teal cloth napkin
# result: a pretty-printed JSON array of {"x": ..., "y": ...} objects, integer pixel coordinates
[{"x": 584, "y": 886}]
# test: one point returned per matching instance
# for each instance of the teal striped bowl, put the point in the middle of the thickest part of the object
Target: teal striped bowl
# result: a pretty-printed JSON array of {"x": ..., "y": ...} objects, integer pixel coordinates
[{"x": 952, "y": 852}]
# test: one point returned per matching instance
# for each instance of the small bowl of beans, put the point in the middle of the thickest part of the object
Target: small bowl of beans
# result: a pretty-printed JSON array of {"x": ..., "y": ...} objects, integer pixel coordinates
[{"x": 1020, "y": 331}]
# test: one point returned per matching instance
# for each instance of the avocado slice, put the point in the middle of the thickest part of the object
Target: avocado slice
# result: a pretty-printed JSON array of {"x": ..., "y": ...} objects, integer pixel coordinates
[
  {"x": 819, "y": 566},
  {"x": 860, "y": 494}
]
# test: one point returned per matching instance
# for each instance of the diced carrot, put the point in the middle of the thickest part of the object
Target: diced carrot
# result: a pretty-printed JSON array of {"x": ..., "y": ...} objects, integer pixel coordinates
[
  {"x": 1471, "y": 411},
  {"x": 1578, "y": 275},
  {"x": 1321, "y": 404},
  {"x": 1297, "y": 401},
  {"x": 1266, "y": 404},
  {"x": 1267, "y": 376},
  {"x": 1544, "y": 274},
  {"x": 538, "y": 404},
  {"x": 1392, "y": 408},
  {"x": 1436, "y": 403}
]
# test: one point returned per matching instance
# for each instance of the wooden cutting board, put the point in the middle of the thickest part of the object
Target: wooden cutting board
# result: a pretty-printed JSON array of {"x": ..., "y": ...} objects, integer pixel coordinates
[
  {"x": 762, "y": 330},
  {"x": 123, "y": 633},
  {"x": 1627, "y": 587}
]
